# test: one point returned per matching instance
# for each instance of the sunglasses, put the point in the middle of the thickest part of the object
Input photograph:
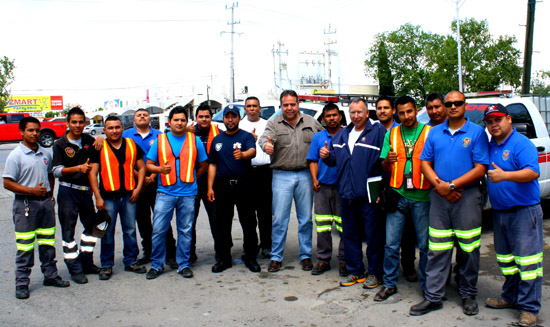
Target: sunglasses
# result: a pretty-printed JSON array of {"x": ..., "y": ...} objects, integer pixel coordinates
[{"x": 449, "y": 104}]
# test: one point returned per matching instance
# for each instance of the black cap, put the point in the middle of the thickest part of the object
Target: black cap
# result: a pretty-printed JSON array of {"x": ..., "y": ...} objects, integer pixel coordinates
[
  {"x": 495, "y": 110},
  {"x": 101, "y": 223}
]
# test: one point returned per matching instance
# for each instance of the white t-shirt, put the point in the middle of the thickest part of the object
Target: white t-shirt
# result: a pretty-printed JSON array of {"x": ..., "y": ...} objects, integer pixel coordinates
[
  {"x": 258, "y": 127},
  {"x": 353, "y": 137}
]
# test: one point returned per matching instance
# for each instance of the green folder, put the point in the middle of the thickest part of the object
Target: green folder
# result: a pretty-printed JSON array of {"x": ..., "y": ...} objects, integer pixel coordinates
[{"x": 374, "y": 188}]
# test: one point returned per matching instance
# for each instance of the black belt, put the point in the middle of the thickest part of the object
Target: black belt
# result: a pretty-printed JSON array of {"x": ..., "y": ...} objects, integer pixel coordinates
[
  {"x": 515, "y": 209},
  {"x": 33, "y": 197},
  {"x": 261, "y": 166}
]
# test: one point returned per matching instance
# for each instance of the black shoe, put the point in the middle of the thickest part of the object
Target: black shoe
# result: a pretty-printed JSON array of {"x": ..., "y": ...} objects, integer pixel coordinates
[
  {"x": 56, "y": 282},
  {"x": 22, "y": 292},
  {"x": 385, "y": 293},
  {"x": 221, "y": 266},
  {"x": 136, "y": 268},
  {"x": 91, "y": 270},
  {"x": 153, "y": 273},
  {"x": 469, "y": 306},
  {"x": 252, "y": 265},
  {"x": 424, "y": 307},
  {"x": 171, "y": 262},
  {"x": 411, "y": 276},
  {"x": 79, "y": 278},
  {"x": 193, "y": 258},
  {"x": 342, "y": 270},
  {"x": 105, "y": 273},
  {"x": 186, "y": 273},
  {"x": 144, "y": 260},
  {"x": 265, "y": 253}
]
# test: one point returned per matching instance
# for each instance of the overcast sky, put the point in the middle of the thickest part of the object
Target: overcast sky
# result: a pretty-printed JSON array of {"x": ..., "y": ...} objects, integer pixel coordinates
[{"x": 91, "y": 51}]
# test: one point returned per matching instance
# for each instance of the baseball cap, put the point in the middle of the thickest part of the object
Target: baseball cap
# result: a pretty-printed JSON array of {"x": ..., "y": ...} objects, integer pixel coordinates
[
  {"x": 495, "y": 110},
  {"x": 101, "y": 223},
  {"x": 232, "y": 109}
]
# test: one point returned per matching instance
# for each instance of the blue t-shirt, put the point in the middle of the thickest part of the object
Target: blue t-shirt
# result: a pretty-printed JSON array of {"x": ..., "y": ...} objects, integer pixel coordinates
[
  {"x": 221, "y": 154},
  {"x": 180, "y": 188},
  {"x": 143, "y": 142},
  {"x": 327, "y": 175},
  {"x": 517, "y": 152},
  {"x": 455, "y": 155}
]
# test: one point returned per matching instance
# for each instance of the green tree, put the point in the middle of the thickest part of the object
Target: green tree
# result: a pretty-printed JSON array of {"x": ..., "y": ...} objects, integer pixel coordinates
[
  {"x": 541, "y": 83},
  {"x": 385, "y": 78},
  {"x": 6, "y": 78}
]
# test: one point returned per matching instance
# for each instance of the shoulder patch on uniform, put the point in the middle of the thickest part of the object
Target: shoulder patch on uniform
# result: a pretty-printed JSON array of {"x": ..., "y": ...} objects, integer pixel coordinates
[
  {"x": 70, "y": 152},
  {"x": 466, "y": 142},
  {"x": 45, "y": 161},
  {"x": 151, "y": 142},
  {"x": 219, "y": 146},
  {"x": 506, "y": 155}
]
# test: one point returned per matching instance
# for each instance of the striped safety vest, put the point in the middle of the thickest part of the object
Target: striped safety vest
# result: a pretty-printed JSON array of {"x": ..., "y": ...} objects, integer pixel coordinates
[
  {"x": 398, "y": 169},
  {"x": 110, "y": 167},
  {"x": 214, "y": 130},
  {"x": 187, "y": 157}
]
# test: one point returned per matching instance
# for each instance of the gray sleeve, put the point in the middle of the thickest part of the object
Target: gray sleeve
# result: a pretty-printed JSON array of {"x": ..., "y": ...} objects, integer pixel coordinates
[
  {"x": 12, "y": 168},
  {"x": 57, "y": 171},
  {"x": 269, "y": 132}
]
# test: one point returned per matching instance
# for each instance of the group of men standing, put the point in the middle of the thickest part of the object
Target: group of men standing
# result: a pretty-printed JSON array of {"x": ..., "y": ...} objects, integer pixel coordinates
[{"x": 430, "y": 175}]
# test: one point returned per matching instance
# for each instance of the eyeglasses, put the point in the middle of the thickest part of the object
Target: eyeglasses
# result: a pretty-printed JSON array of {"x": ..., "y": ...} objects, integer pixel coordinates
[{"x": 449, "y": 104}]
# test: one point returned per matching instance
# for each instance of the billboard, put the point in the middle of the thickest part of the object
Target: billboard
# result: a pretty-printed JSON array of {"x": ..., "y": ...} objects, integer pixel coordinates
[{"x": 34, "y": 104}]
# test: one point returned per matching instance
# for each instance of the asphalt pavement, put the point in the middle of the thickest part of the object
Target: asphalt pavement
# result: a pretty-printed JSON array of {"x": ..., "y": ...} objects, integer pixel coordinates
[{"x": 235, "y": 297}]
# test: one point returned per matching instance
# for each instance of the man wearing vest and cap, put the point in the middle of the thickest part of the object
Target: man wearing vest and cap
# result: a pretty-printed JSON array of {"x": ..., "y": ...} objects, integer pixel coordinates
[
  {"x": 206, "y": 131},
  {"x": 401, "y": 153},
  {"x": 117, "y": 193},
  {"x": 71, "y": 164},
  {"x": 179, "y": 159},
  {"x": 28, "y": 174},
  {"x": 514, "y": 193},
  {"x": 228, "y": 182}
]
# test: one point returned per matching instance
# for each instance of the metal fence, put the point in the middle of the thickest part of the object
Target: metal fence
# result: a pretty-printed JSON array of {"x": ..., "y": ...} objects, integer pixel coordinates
[{"x": 542, "y": 102}]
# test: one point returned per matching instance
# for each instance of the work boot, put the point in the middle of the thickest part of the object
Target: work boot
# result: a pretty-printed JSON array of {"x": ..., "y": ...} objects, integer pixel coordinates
[{"x": 22, "y": 292}]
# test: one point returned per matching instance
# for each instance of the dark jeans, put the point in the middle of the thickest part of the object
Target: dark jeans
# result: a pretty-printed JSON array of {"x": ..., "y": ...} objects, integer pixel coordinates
[
  {"x": 210, "y": 208},
  {"x": 262, "y": 195}
]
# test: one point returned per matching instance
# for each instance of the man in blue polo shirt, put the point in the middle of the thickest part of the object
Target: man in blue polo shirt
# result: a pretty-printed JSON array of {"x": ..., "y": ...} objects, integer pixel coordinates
[
  {"x": 515, "y": 196},
  {"x": 326, "y": 199},
  {"x": 454, "y": 159}
]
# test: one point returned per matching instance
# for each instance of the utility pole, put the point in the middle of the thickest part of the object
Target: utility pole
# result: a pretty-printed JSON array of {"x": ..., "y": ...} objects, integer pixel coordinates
[
  {"x": 282, "y": 65},
  {"x": 458, "y": 41},
  {"x": 330, "y": 53},
  {"x": 232, "y": 66},
  {"x": 528, "y": 53}
]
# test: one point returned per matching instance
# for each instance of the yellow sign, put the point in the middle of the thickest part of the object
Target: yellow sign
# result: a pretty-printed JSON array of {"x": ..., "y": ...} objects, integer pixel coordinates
[
  {"x": 34, "y": 103},
  {"x": 323, "y": 91}
]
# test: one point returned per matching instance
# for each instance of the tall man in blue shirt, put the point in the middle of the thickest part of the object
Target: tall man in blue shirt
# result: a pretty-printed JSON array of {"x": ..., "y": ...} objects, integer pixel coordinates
[
  {"x": 515, "y": 196},
  {"x": 326, "y": 199},
  {"x": 454, "y": 159},
  {"x": 144, "y": 135}
]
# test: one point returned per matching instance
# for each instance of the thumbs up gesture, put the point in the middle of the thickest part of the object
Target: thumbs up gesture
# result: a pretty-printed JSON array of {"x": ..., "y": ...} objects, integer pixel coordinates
[
  {"x": 497, "y": 174},
  {"x": 254, "y": 134},
  {"x": 268, "y": 147},
  {"x": 324, "y": 152},
  {"x": 392, "y": 156},
  {"x": 237, "y": 153},
  {"x": 85, "y": 167},
  {"x": 39, "y": 190},
  {"x": 165, "y": 169}
]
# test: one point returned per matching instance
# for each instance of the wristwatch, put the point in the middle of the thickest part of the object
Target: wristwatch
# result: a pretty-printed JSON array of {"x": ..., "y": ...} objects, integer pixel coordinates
[{"x": 452, "y": 186}]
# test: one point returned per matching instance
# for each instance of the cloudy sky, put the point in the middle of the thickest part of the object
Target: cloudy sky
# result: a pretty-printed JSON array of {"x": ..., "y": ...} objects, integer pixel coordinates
[{"x": 91, "y": 51}]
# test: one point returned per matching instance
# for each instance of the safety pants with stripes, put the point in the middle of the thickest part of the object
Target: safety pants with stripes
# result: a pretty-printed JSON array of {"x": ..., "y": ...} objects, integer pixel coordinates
[
  {"x": 72, "y": 203},
  {"x": 519, "y": 246},
  {"x": 34, "y": 224},
  {"x": 327, "y": 213},
  {"x": 460, "y": 220}
]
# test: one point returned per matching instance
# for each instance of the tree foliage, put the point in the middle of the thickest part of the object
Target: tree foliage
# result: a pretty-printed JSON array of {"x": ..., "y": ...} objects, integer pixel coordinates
[
  {"x": 6, "y": 78},
  {"x": 541, "y": 83},
  {"x": 422, "y": 62},
  {"x": 385, "y": 78}
]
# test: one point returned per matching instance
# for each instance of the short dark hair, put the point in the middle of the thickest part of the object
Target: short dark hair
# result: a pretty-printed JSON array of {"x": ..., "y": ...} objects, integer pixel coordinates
[
  {"x": 141, "y": 109},
  {"x": 404, "y": 100},
  {"x": 113, "y": 118},
  {"x": 330, "y": 106},
  {"x": 291, "y": 93},
  {"x": 203, "y": 107},
  {"x": 23, "y": 122},
  {"x": 384, "y": 98},
  {"x": 75, "y": 111},
  {"x": 177, "y": 110},
  {"x": 434, "y": 96},
  {"x": 252, "y": 98}
]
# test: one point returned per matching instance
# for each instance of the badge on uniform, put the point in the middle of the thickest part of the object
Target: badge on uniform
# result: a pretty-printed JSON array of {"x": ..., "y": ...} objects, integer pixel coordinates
[
  {"x": 46, "y": 161},
  {"x": 237, "y": 145},
  {"x": 466, "y": 142},
  {"x": 409, "y": 186},
  {"x": 505, "y": 155},
  {"x": 218, "y": 146},
  {"x": 70, "y": 152},
  {"x": 151, "y": 142}
]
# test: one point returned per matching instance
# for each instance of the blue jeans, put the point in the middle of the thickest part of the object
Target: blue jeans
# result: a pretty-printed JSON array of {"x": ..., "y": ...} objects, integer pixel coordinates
[
  {"x": 127, "y": 211},
  {"x": 395, "y": 221},
  {"x": 287, "y": 185},
  {"x": 162, "y": 216}
]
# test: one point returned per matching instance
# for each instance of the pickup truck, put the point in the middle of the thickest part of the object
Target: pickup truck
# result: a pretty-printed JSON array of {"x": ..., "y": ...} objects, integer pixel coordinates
[
  {"x": 527, "y": 120},
  {"x": 9, "y": 129}
]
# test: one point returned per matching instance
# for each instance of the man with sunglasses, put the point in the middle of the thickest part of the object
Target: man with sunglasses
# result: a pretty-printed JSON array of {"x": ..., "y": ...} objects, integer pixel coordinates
[{"x": 454, "y": 159}]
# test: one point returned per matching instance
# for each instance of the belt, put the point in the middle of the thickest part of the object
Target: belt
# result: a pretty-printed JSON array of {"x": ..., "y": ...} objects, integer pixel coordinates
[
  {"x": 515, "y": 209},
  {"x": 74, "y": 186},
  {"x": 33, "y": 197},
  {"x": 230, "y": 181},
  {"x": 260, "y": 166}
]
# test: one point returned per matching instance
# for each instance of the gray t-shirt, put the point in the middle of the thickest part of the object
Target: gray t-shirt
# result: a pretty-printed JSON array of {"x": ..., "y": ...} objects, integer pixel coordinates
[{"x": 28, "y": 168}]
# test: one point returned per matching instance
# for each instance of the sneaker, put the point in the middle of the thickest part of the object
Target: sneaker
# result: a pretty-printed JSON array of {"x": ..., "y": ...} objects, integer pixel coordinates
[
  {"x": 371, "y": 282},
  {"x": 105, "y": 273},
  {"x": 22, "y": 292},
  {"x": 79, "y": 278},
  {"x": 265, "y": 253},
  {"x": 342, "y": 270},
  {"x": 320, "y": 268},
  {"x": 136, "y": 268},
  {"x": 153, "y": 273},
  {"x": 307, "y": 265},
  {"x": 353, "y": 279},
  {"x": 56, "y": 282},
  {"x": 186, "y": 272}
]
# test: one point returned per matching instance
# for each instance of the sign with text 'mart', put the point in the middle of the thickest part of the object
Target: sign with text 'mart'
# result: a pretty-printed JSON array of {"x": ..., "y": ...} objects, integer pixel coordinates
[{"x": 34, "y": 103}]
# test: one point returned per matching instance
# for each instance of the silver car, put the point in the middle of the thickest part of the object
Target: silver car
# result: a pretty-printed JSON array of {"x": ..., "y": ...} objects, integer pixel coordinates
[{"x": 94, "y": 129}]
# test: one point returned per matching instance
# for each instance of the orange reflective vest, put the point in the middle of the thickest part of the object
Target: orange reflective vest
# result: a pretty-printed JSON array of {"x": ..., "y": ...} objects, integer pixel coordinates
[
  {"x": 398, "y": 169},
  {"x": 110, "y": 167},
  {"x": 214, "y": 130},
  {"x": 187, "y": 157}
]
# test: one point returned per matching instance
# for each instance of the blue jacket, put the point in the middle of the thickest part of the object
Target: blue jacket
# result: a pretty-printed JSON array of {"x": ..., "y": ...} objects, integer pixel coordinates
[{"x": 353, "y": 170}]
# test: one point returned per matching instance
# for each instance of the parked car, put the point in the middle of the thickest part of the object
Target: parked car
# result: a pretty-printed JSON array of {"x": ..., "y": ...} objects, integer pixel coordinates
[
  {"x": 49, "y": 131},
  {"x": 94, "y": 129}
]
